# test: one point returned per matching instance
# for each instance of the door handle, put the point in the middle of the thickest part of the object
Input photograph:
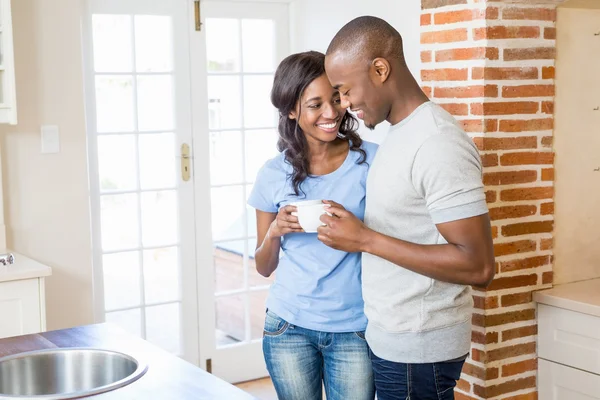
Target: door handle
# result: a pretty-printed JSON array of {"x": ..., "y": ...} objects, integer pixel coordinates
[
  {"x": 185, "y": 162},
  {"x": 197, "y": 19}
]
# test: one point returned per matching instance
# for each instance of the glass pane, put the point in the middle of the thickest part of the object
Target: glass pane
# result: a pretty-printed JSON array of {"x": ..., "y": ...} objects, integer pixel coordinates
[
  {"x": 230, "y": 319},
  {"x": 258, "y": 110},
  {"x": 121, "y": 280},
  {"x": 157, "y": 161},
  {"x": 258, "y": 300},
  {"x": 229, "y": 265},
  {"x": 226, "y": 158},
  {"x": 114, "y": 104},
  {"x": 227, "y": 212},
  {"x": 117, "y": 162},
  {"x": 159, "y": 218},
  {"x": 153, "y": 43},
  {"x": 130, "y": 320},
  {"x": 112, "y": 43},
  {"x": 254, "y": 278},
  {"x": 161, "y": 275},
  {"x": 119, "y": 221},
  {"x": 222, "y": 44},
  {"x": 258, "y": 44},
  {"x": 155, "y": 103},
  {"x": 261, "y": 146},
  {"x": 224, "y": 98},
  {"x": 1, "y": 47},
  {"x": 163, "y": 327}
]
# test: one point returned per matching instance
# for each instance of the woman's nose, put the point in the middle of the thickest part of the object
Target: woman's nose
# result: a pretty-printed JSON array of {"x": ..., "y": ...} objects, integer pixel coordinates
[{"x": 331, "y": 111}]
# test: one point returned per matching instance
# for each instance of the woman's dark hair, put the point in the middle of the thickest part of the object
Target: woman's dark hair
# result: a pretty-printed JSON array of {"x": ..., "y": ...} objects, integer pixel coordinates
[{"x": 292, "y": 77}]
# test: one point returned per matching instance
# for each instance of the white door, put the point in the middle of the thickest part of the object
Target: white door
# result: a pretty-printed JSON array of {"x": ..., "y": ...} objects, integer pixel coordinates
[
  {"x": 138, "y": 107},
  {"x": 234, "y": 57}
]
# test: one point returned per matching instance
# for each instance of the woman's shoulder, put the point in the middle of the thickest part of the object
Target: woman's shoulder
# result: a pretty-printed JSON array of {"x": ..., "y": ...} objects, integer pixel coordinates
[
  {"x": 369, "y": 146},
  {"x": 370, "y": 149},
  {"x": 275, "y": 167}
]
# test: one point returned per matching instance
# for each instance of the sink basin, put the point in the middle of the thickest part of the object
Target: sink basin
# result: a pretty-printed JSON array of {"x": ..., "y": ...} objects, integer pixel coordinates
[{"x": 66, "y": 373}]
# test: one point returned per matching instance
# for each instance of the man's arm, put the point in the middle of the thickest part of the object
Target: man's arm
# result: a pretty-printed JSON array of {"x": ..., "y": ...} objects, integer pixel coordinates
[{"x": 467, "y": 258}]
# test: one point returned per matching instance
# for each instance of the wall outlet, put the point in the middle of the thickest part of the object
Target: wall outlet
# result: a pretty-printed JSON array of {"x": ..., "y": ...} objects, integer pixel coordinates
[{"x": 50, "y": 139}]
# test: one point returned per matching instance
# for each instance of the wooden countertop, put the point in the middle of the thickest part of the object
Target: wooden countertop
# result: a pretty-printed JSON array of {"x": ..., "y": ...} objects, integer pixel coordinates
[
  {"x": 23, "y": 268},
  {"x": 168, "y": 377},
  {"x": 583, "y": 296}
]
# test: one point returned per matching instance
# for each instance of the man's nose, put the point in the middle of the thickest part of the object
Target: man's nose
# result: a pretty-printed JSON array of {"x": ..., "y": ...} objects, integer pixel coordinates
[{"x": 344, "y": 102}]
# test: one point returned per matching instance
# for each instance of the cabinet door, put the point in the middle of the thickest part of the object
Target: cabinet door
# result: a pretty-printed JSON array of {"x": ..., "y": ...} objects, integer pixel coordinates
[
  {"x": 570, "y": 338},
  {"x": 20, "y": 308},
  {"x": 559, "y": 382}
]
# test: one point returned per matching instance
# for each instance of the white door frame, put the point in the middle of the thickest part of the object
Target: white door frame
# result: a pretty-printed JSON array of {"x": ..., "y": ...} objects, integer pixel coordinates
[
  {"x": 228, "y": 363},
  {"x": 183, "y": 129}
]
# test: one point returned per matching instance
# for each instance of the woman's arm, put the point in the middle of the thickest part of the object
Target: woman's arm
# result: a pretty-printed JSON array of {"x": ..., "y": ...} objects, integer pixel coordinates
[{"x": 270, "y": 227}]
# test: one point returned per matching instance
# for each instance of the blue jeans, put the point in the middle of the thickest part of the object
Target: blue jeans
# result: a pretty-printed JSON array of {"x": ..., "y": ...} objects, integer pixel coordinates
[
  {"x": 433, "y": 381},
  {"x": 301, "y": 360}
]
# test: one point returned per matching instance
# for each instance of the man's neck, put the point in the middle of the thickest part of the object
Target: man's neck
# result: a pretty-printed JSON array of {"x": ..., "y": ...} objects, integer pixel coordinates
[{"x": 406, "y": 98}]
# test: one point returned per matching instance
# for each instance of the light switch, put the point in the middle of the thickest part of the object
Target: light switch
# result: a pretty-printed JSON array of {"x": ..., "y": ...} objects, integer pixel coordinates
[{"x": 50, "y": 139}]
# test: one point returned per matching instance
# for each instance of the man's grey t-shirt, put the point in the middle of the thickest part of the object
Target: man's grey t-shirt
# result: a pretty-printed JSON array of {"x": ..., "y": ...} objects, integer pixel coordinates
[{"x": 426, "y": 172}]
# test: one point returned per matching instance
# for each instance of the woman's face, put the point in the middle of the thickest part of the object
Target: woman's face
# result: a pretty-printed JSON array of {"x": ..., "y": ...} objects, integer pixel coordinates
[{"x": 320, "y": 111}]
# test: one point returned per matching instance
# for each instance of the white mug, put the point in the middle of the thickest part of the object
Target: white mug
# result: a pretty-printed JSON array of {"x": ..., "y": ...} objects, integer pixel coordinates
[{"x": 309, "y": 213}]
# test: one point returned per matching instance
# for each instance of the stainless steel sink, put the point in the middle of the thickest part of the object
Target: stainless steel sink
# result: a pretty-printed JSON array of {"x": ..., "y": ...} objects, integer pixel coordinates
[{"x": 66, "y": 373}]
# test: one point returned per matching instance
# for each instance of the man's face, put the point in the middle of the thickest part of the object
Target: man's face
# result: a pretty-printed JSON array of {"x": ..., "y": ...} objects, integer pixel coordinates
[{"x": 359, "y": 89}]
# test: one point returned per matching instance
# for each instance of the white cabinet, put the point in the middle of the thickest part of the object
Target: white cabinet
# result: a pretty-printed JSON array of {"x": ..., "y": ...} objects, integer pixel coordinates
[
  {"x": 22, "y": 297},
  {"x": 21, "y": 307},
  {"x": 559, "y": 382},
  {"x": 8, "y": 97},
  {"x": 569, "y": 341}
]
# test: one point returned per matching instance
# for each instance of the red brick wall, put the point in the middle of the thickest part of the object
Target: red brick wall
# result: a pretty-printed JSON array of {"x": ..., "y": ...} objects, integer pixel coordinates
[{"x": 491, "y": 64}]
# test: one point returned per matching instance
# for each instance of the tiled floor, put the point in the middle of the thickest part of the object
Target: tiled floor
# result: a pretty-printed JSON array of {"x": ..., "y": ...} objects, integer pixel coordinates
[{"x": 261, "y": 389}]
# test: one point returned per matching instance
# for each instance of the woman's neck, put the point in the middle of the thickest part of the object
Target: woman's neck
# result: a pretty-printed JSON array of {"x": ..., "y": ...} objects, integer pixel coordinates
[{"x": 325, "y": 158}]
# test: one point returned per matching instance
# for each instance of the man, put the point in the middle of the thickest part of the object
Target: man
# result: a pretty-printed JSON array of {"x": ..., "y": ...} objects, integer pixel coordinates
[{"x": 426, "y": 235}]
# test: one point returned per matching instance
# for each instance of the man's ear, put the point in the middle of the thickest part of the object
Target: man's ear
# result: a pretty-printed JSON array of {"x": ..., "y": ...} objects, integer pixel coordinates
[{"x": 381, "y": 68}]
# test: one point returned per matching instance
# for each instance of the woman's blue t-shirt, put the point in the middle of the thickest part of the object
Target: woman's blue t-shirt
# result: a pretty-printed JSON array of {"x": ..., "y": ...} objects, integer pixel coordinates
[{"x": 316, "y": 287}]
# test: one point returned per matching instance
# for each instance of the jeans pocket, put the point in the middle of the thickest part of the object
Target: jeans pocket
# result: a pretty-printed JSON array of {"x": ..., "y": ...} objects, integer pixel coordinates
[
  {"x": 446, "y": 376},
  {"x": 274, "y": 325}
]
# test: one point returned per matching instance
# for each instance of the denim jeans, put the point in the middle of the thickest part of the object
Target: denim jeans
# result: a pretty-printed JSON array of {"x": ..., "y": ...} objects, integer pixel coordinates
[
  {"x": 433, "y": 381},
  {"x": 300, "y": 361}
]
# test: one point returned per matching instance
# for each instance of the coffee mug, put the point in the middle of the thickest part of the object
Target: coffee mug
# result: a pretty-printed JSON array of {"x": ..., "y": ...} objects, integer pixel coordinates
[{"x": 309, "y": 213}]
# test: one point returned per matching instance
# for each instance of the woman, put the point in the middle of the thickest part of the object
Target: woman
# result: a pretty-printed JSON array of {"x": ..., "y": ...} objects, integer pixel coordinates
[{"x": 314, "y": 327}]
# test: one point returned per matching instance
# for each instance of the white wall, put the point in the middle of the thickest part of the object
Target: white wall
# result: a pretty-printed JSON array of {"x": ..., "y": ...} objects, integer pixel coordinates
[
  {"x": 313, "y": 23},
  {"x": 46, "y": 195}
]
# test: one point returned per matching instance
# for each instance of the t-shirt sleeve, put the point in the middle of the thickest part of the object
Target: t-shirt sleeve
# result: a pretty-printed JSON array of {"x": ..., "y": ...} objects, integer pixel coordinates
[
  {"x": 262, "y": 196},
  {"x": 447, "y": 172}
]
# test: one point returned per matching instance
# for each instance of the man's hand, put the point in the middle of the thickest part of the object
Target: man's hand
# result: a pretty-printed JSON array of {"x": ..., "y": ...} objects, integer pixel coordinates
[{"x": 343, "y": 231}]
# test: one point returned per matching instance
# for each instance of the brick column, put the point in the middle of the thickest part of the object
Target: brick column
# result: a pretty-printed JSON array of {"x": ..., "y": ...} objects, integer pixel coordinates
[{"x": 491, "y": 64}]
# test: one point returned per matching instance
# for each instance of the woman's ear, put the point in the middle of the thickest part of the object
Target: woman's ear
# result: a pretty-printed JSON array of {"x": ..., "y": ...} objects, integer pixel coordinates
[{"x": 294, "y": 112}]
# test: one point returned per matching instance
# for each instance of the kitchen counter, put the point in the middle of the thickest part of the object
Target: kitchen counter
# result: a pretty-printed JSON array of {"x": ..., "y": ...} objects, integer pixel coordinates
[
  {"x": 23, "y": 268},
  {"x": 168, "y": 377},
  {"x": 583, "y": 296}
]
